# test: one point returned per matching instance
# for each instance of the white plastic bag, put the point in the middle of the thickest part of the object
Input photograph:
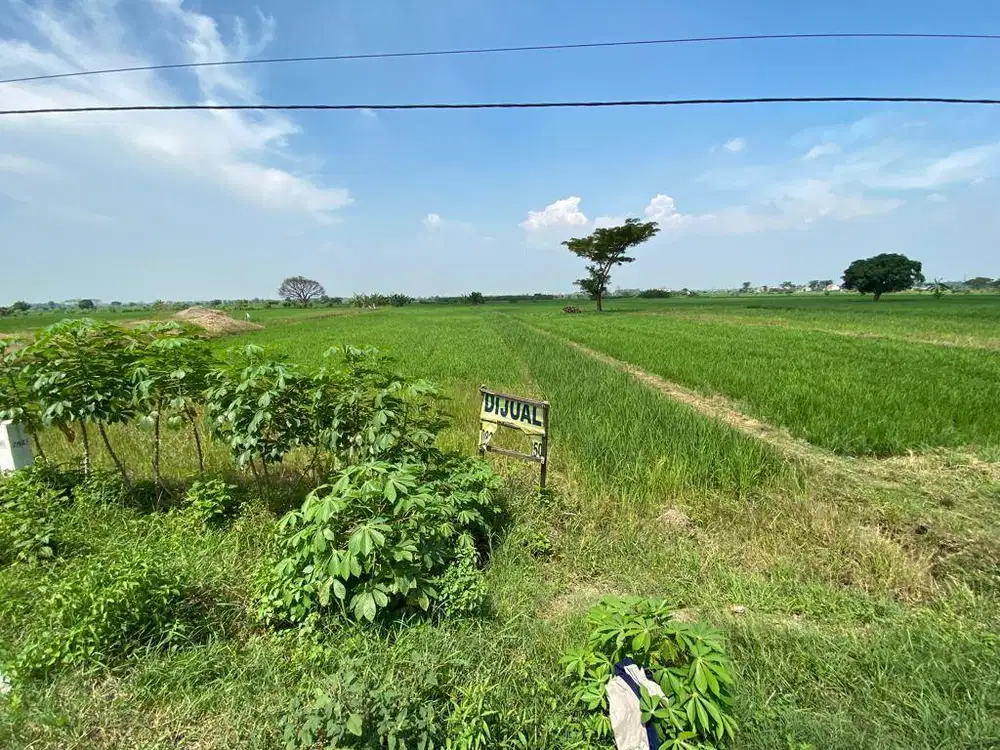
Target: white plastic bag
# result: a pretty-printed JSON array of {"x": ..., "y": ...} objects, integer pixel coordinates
[{"x": 623, "y": 707}]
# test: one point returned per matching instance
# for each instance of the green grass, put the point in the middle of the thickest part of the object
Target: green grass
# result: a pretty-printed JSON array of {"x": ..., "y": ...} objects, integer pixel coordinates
[
  {"x": 870, "y": 588},
  {"x": 852, "y": 396},
  {"x": 632, "y": 441},
  {"x": 962, "y": 320}
]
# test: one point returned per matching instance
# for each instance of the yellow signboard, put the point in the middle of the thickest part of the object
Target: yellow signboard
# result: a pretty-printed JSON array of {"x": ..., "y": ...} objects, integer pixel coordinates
[{"x": 523, "y": 414}]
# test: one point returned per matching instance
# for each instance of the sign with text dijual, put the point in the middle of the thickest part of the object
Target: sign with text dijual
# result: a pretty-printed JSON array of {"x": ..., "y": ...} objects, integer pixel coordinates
[
  {"x": 522, "y": 414},
  {"x": 525, "y": 415}
]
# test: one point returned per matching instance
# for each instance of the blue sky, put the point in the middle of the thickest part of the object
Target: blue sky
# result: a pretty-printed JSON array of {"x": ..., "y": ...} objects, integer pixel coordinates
[{"x": 202, "y": 205}]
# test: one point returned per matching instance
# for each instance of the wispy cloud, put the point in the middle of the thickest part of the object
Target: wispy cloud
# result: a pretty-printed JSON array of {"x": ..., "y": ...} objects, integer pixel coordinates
[
  {"x": 735, "y": 145},
  {"x": 820, "y": 150},
  {"x": 246, "y": 154}
]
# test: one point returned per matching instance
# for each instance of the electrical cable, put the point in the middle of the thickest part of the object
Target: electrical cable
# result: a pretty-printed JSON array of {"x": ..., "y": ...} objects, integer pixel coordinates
[
  {"x": 504, "y": 50},
  {"x": 499, "y": 105}
]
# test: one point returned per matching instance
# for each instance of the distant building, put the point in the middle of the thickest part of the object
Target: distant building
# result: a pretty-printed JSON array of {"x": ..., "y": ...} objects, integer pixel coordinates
[{"x": 832, "y": 288}]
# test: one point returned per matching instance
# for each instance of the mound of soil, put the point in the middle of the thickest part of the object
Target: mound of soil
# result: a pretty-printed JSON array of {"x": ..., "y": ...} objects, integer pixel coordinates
[{"x": 214, "y": 322}]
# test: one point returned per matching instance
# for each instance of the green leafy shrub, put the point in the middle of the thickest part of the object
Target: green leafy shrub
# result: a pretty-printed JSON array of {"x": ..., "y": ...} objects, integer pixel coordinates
[
  {"x": 28, "y": 510},
  {"x": 362, "y": 410},
  {"x": 105, "y": 608},
  {"x": 209, "y": 500},
  {"x": 351, "y": 711},
  {"x": 379, "y": 539},
  {"x": 258, "y": 406},
  {"x": 461, "y": 589},
  {"x": 686, "y": 659},
  {"x": 80, "y": 374}
]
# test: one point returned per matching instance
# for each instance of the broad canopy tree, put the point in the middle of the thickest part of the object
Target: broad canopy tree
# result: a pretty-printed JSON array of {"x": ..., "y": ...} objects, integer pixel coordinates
[
  {"x": 605, "y": 248},
  {"x": 300, "y": 289},
  {"x": 888, "y": 272}
]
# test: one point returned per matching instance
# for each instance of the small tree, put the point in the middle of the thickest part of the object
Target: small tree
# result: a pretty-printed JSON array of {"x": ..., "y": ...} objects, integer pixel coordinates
[
  {"x": 476, "y": 298},
  {"x": 86, "y": 304},
  {"x": 300, "y": 289},
  {"x": 747, "y": 286},
  {"x": 80, "y": 374},
  {"x": 979, "y": 282},
  {"x": 605, "y": 248},
  {"x": 169, "y": 377},
  {"x": 888, "y": 272},
  {"x": 20, "y": 306}
]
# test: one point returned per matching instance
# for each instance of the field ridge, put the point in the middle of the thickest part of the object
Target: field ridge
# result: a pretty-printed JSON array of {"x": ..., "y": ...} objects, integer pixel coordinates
[
  {"x": 716, "y": 407},
  {"x": 966, "y": 343}
]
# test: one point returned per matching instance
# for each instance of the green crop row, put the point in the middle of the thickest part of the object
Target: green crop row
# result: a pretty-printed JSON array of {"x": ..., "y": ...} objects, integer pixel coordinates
[{"x": 852, "y": 396}]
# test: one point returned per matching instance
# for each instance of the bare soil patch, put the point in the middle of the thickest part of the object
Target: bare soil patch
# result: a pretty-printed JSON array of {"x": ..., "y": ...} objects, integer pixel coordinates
[{"x": 214, "y": 322}]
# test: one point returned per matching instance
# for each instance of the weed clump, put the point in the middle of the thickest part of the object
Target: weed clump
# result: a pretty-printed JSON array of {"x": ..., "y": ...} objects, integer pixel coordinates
[{"x": 102, "y": 609}]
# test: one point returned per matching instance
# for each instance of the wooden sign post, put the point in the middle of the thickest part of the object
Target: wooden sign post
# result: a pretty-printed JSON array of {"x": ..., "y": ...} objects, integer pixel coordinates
[{"x": 525, "y": 415}]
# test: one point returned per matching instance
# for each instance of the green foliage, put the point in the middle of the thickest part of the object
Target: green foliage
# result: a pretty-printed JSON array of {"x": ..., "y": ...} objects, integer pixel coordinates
[
  {"x": 655, "y": 294},
  {"x": 605, "y": 248},
  {"x": 461, "y": 588},
  {"x": 687, "y": 660},
  {"x": 348, "y": 713},
  {"x": 101, "y": 609},
  {"x": 27, "y": 519},
  {"x": 209, "y": 500},
  {"x": 17, "y": 402},
  {"x": 170, "y": 375},
  {"x": 360, "y": 410},
  {"x": 378, "y": 540},
  {"x": 888, "y": 272},
  {"x": 258, "y": 406},
  {"x": 80, "y": 372}
]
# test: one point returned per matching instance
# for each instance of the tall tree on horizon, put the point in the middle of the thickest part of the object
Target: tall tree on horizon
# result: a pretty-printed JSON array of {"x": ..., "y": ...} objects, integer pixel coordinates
[{"x": 605, "y": 248}]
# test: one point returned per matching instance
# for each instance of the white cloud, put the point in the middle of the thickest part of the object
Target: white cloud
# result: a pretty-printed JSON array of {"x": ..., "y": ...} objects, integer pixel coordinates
[
  {"x": 562, "y": 213},
  {"x": 792, "y": 205},
  {"x": 822, "y": 149},
  {"x": 937, "y": 198},
  {"x": 663, "y": 210},
  {"x": 735, "y": 145},
  {"x": 432, "y": 221},
  {"x": 236, "y": 151},
  {"x": 966, "y": 165}
]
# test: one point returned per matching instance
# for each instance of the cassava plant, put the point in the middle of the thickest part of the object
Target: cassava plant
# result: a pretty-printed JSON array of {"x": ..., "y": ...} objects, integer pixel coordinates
[
  {"x": 170, "y": 376},
  {"x": 686, "y": 659},
  {"x": 378, "y": 539},
  {"x": 259, "y": 406},
  {"x": 17, "y": 402},
  {"x": 80, "y": 375},
  {"x": 361, "y": 410}
]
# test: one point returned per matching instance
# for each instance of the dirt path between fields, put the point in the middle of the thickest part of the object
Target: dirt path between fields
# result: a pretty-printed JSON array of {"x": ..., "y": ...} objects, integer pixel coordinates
[{"x": 715, "y": 407}]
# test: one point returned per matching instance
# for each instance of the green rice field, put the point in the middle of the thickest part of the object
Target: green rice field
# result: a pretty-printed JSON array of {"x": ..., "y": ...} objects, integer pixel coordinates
[{"x": 857, "y": 587}]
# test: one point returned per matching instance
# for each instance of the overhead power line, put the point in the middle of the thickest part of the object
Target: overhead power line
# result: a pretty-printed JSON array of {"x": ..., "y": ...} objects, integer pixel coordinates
[
  {"x": 499, "y": 105},
  {"x": 502, "y": 50}
]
